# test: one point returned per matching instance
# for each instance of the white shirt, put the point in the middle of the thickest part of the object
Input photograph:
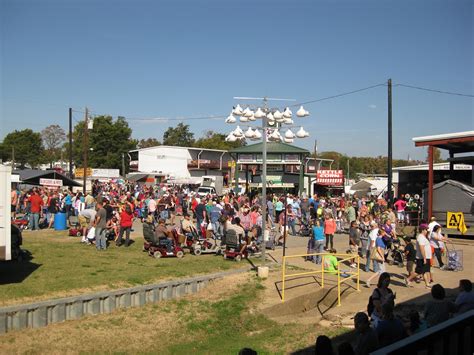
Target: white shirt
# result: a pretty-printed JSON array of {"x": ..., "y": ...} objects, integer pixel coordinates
[
  {"x": 431, "y": 226},
  {"x": 373, "y": 236},
  {"x": 423, "y": 242}
]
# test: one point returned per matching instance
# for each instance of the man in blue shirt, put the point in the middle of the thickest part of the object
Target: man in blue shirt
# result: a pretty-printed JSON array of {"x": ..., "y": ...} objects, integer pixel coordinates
[
  {"x": 319, "y": 240},
  {"x": 214, "y": 214}
]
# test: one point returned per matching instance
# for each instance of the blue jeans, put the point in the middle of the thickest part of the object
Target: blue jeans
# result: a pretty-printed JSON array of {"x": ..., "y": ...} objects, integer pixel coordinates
[
  {"x": 34, "y": 221},
  {"x": 318, "y": 248},
  {"x": 167, "y": 243},
  {"x": 198, "y": 226},
  {"x": 367, "y": 263},
  {"x": 216, "y": 228},
  {"x": 292, "y": 224},
  {"x": 100, "y": 240}
]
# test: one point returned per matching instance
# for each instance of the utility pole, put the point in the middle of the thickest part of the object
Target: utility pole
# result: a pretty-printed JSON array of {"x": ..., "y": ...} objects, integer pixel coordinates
[
  {"x": 86, "y": 150},
  {"x": 123, "y": 165},
  {"x": 13, "y": 158},
  {"x": 264, "y": 179},
  {"x": 70, "y": 143},
  {"x": 348, "y": 169},
  {"x": 389, "y": 159}
]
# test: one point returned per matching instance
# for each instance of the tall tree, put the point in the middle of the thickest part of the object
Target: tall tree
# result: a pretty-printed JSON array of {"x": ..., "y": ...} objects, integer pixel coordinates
[
  {"x": 436, "y": 156},
  {"x": 108, "y": 140},
  {"x": 53, "y": 137},
  {"x": 179, "y": 136},
  {"x": 214, "y": 140},
  {"x": 149, "y": 142},
  {"x": 27, "y": 145}
]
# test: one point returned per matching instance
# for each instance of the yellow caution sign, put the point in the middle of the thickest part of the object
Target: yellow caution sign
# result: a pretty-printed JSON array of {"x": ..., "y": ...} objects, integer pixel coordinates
[
  {"x": 79, "y": 172},
  {"x": 456, "y": 220}
]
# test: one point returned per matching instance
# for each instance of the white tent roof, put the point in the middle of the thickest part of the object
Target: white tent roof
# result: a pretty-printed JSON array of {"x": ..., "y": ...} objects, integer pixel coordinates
[{"x": 377, "y": 185}]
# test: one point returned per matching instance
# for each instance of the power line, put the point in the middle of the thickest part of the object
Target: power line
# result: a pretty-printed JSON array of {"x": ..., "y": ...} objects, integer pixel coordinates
[
  {"x": 338, "y": 95},
  {"x": 215, "y": 117},
  {"x": 433, "y": 90}
]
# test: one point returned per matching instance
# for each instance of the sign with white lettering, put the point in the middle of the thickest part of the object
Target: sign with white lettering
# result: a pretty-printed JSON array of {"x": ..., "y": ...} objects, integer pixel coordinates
[
  {"x": 330, "y": 177},
  {"x": 51, "y": 182}
]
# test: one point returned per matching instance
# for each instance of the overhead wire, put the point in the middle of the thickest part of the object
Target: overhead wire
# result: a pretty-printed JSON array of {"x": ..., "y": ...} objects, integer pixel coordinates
[
  {"x": 215, "y": 117},
  {"x": 434, "y": 90},
  {"x": 338, "y": 95}
]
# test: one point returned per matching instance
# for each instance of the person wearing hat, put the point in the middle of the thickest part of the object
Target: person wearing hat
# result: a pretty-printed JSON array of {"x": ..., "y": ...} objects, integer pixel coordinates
[
  {"x": 410, "y": 254},
  {"x": 163, "y": 235},
  {"x": 149, "y": 230},
  {"x": 423, "y": 257}
]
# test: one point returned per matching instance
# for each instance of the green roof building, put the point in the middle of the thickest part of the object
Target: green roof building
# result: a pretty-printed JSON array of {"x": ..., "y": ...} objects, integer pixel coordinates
[{"x": 285, "y": 166}]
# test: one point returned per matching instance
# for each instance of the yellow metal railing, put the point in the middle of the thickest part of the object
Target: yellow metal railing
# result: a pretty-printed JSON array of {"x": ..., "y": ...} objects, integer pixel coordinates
[{"x": 344, "y": 257}]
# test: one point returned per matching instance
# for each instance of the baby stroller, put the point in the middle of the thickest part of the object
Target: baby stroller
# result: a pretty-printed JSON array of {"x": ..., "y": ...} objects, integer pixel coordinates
[
  {"x": 454, "y": 257},
  {"x": 397, "y": 256},
  {"x": 305, "y": 229}
]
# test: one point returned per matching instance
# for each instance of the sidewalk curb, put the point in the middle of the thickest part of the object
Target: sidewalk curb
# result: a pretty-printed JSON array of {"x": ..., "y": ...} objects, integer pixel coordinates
[{"x": 41, "y": 314}]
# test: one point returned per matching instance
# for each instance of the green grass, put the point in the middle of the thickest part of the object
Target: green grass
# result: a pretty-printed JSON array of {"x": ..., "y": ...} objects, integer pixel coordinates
[
  {"x": 230, "y": 324},
  {"x": 223, "y": 323},
  {"x": 63, "y": 266}
]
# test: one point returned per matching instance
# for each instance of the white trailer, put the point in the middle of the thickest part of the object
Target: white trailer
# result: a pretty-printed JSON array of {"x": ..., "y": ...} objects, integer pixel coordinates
[
  {"x": 212, "y": 185},
  {"x": 5, "y": 212}
]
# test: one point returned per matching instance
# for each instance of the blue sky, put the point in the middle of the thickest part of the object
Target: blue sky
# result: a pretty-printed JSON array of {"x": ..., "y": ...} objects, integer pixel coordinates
[{"x": 175, "y": 59}]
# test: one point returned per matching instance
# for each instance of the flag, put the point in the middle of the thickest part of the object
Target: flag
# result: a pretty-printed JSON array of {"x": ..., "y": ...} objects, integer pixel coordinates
[
  {"x": 462, "y": 226},
  {"x": 456, "y": 220}
]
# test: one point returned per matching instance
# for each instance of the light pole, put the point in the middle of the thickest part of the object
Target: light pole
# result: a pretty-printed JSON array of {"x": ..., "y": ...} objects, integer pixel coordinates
[{"x": 272, "y": 121}]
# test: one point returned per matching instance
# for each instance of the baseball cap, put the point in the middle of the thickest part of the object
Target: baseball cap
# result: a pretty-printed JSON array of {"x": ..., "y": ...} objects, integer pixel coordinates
[{"x": 423, "y": 226}]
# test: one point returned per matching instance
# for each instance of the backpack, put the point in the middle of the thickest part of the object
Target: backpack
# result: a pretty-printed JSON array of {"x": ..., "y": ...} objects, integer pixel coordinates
[{"x": 370, "y": 305}]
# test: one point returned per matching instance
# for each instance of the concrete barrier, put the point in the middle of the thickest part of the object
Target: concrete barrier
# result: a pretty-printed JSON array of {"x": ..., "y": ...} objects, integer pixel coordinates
[{"x": 40, "y": 314}]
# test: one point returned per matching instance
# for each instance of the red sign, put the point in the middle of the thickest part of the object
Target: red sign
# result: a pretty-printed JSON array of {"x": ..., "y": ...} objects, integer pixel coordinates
[{"x": 330, "y": 177}]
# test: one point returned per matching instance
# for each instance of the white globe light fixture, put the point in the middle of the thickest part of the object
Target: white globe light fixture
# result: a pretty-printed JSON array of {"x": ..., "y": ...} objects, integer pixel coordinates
[
  {"x": 289, "y": 134},
  {"x": 257, "y": 134},
  {"x": 259, "y": 113},
  {"x": 272, "y": 120},
  {"x": 237, "y": 110},
  {"x": 277, "y": 115},
  {"x": 287, "y": 113},
  {"x": 301, "y": 133},
  {"x": 238, "y": 132},
  {"x": 302, "y": 112},
  {"x": 249, "y": 133},
  {"x": 230, "y": 119},
  {"x": 230, "y": 138},
  {"x": 247, "y": 112}
]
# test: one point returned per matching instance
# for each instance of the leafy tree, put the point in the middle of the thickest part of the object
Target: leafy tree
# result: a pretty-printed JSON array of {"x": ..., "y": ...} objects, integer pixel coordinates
[
  {"x": 27, "y": 145},
  {"x": 436, "y": 155},
  {"x": 149, "y": 142},
  {"x": 179, "y": 136},
  {"x": 53, "y": 137},
  {"x": 107, "y": 141},
  {"x": 214, "y": 140}
]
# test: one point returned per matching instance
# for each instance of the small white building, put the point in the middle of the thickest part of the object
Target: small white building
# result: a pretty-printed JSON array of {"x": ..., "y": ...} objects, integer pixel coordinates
[{"x": 180, "y": 163}]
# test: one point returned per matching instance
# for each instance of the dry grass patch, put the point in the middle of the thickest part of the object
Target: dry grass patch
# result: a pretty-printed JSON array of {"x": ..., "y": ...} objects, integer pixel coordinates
[{"x": 221, "y": 319}]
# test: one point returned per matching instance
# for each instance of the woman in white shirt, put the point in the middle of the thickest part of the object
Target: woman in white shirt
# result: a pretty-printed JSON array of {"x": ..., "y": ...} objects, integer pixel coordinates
[{"x": 436, "y": 242}]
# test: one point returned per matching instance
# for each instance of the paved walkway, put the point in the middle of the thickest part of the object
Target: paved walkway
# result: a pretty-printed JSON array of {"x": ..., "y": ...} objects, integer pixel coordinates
[{"x": 357, "y": 301}]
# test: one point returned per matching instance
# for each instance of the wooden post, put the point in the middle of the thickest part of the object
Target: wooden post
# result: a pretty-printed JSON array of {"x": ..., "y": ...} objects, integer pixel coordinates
[{"x": 430, "y": 182}]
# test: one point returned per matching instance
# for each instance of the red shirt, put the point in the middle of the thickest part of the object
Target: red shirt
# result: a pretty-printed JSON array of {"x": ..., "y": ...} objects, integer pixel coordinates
[
  {"x": 126, "y": 220},
  {"x": 36, "y": 203},
  {"x": 329, "y": 226}
]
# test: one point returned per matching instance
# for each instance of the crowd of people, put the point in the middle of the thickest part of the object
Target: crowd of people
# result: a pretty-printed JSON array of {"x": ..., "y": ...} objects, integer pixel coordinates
[
  {"x": 382, "y": 325},
  {"x": 112, "y": 208}
]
